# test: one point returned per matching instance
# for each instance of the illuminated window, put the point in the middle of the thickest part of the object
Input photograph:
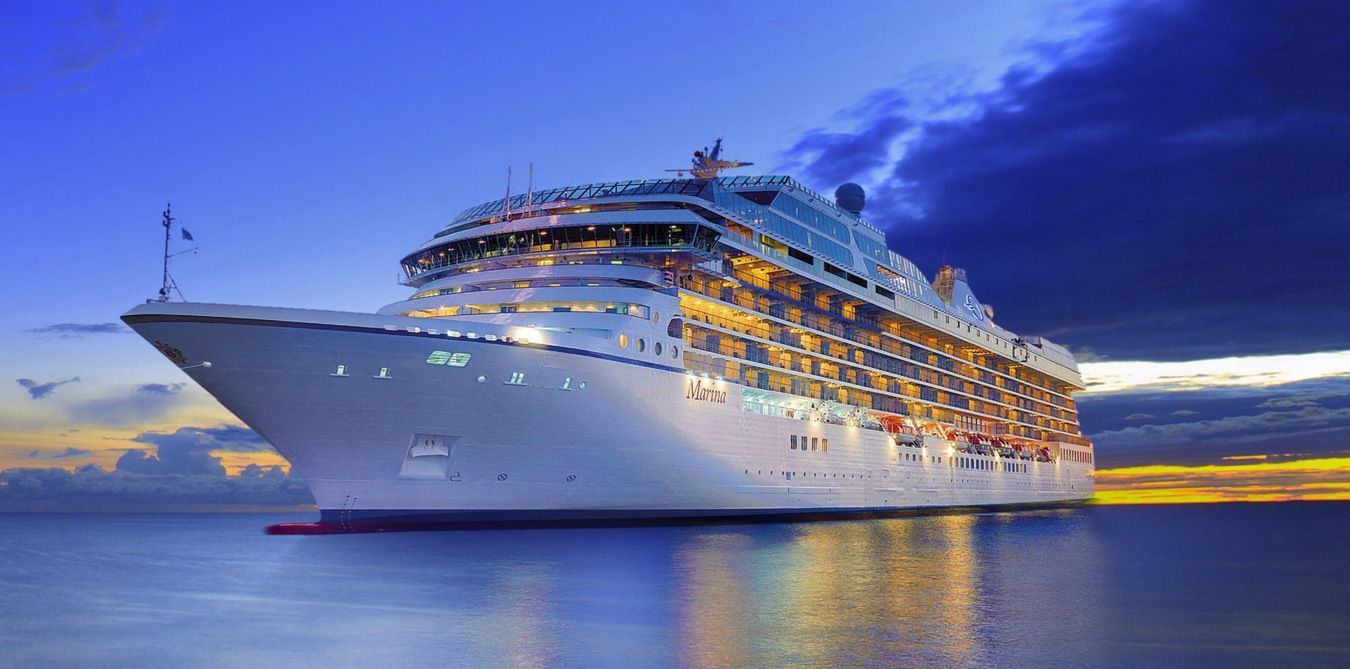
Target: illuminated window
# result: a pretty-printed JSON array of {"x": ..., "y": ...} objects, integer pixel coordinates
[
  {"x": 824, "y": 444},
  {"x": 623, "y": 341},
  {"x": 814, "y": 443}
]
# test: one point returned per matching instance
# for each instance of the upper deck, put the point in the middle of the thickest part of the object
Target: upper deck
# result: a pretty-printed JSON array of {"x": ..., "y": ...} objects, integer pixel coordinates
[{"x": 772, "y": 217}]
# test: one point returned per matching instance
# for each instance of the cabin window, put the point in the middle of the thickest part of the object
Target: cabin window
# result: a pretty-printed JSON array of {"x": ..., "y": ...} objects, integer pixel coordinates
[
  {"x": 642, "y": 344},
  {"x": 623, "y": 341},
  {"x": 792, "y": 441},
  {"x": 814, "y": 443}
]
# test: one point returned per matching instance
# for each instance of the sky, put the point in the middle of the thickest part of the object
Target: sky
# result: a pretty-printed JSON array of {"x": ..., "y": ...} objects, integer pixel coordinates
[{"x": 1159, "y": 186}]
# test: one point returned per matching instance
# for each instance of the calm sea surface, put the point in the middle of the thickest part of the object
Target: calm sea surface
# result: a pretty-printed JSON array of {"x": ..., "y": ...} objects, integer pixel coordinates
[{"x": 1229, "y": 585}]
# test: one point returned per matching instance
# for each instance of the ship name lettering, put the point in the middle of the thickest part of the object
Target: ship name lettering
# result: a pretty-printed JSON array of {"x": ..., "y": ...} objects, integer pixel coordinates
[{"x": 697, "y": 391}]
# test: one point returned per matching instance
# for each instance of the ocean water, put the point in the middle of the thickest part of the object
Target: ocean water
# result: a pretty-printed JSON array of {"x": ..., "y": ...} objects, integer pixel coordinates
[{"x": 1215, "y": 585}]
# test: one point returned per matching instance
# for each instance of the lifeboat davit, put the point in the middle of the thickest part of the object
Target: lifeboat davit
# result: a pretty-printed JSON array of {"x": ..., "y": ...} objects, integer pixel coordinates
[{"x": 899, "y": 430}]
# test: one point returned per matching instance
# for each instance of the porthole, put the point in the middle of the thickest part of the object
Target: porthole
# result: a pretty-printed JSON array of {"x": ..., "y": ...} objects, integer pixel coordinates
[
  {"x": 674, "y": 351},
  {"x": 642, "y": 344},
  {"x": 656, "y": 348},
  {"x": 623, "y": 341}
]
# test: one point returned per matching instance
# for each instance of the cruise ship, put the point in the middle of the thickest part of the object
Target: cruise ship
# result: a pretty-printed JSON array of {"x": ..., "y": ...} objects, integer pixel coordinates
[{"x": 695, "y": 349}]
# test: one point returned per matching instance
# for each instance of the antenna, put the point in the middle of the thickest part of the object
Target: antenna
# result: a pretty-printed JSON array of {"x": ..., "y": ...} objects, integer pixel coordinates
[
  {"x": 529, "y": 194},
  {"x": 164, "y": 285},
  {"x": 506, "y": 201}
]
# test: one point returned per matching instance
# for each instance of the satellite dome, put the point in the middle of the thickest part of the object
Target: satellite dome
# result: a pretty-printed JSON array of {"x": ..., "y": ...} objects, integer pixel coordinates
[{"x": 851, "y": 198}]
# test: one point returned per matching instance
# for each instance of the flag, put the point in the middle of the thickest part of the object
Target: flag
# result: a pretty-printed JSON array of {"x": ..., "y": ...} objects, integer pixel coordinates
[{"x": 186, "y": 235}]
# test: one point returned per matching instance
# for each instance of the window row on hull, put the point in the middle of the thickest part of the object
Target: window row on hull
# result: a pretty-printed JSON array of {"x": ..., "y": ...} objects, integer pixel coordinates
[
  {"x": 875, "y": 390},
  {"x": 561, "y": 238},
  {"x": 826, "y": 357},
  {"x": 818, "y": 313},
  {"x": 636, "y": 310},
  {"x": 765, "y": 377}
]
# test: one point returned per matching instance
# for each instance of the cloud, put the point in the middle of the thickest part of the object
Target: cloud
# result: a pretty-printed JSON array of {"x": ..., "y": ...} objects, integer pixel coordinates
[
  {"x": 835, "y": 157},
  {"x": 159, "y": 388},
  {"x": 1169, "y": 186},
  {"x": 188, "y": 450},
  {"x": 41, "y": 390},
  {"x": 79, "y": 330},
  {"x": 1314, "y": 428},
  {"x": 1264, "y": 480},
  {"x": 58, "y": 41},
  {"x": 63, "y": 454},
  {"x": 90, "y": 487},
  {"x": 1233, "y": 372},
  {"x": 255, "y": 470},
  {"x": 1206, "y": 424},
  {"x": 144, "y": 402}
]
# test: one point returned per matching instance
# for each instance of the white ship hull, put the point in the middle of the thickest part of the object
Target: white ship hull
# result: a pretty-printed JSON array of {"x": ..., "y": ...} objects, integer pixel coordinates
[{"x": 431, "y": 443}]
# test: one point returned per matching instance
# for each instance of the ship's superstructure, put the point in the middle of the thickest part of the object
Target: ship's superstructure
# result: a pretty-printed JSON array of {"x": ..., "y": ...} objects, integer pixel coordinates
[{"x": 704, "y": 347}]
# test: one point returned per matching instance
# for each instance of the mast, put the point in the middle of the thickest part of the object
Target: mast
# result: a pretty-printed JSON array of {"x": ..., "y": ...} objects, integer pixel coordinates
[
  {"x": 506, "y": 201},
  {"x": 529, "y": 192},
  {"x": 164, "y": 282}
]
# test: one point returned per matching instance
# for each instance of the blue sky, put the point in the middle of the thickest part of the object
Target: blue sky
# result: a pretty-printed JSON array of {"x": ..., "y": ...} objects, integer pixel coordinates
[{"x": 1144, "y": 182}]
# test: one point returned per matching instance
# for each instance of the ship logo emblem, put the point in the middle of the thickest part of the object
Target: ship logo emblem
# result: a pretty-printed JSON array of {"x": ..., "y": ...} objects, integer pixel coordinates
[
  {"x": 974, "y": 307},
  {"x": 173, "y": 354}
]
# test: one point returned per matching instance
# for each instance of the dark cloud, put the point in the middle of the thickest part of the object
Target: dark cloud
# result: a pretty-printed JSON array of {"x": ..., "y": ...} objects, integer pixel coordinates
[
  {"x": 63, "y": 454},
  {"x": 1204, "y": 426},
  {"x": 836, "y": 157},
  {"x": 255, "y": 470},
  {"x": 1171, "y": 186},
  {"x": 188, "y": 450},
  {"x": 90, "y": 487},
  {"x": 77, "y": 330},
  {"x": 78, "y": 37},
  {"x": 144, "y": 402},
  {"x": 41, "y": 390},
  {"x": 159, "y": 388}
]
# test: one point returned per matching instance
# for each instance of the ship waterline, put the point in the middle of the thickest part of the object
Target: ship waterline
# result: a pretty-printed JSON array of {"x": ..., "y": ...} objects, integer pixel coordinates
[{"x": 638, "y": 359}]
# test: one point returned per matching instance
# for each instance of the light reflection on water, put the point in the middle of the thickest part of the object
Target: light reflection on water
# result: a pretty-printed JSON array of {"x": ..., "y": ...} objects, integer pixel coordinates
[{"x": 1083, "y": 587}]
